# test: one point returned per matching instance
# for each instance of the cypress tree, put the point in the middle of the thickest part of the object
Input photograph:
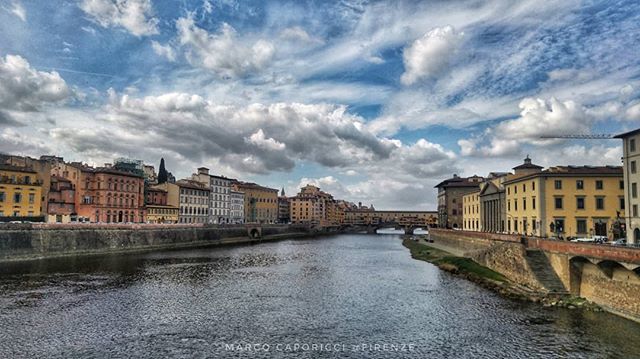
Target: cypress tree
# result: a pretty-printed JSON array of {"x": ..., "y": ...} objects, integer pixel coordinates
[{"x": 162, "y": 172}]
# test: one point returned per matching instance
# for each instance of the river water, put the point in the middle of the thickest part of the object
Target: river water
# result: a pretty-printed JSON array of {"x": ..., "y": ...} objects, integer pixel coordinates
[{"x": 348, "y": 296}]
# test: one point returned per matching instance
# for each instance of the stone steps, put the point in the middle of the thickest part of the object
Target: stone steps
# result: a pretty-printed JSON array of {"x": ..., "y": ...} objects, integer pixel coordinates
[{"x": 539, "y": 264}]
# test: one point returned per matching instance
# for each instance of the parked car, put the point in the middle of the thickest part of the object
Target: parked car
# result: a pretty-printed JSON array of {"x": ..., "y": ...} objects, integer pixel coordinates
[
  {"x": 619, "y": 242},
  {"x": 584, "y": 240}
]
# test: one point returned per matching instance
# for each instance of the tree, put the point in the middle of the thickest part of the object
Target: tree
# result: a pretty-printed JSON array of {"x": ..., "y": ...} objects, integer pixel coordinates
[{"x": 162, "y": 172}]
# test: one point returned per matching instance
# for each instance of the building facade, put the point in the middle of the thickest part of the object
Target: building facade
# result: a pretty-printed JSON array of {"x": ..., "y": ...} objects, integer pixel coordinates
[
  {"x": 471, "y": 211},
  {"x": 260, "y": 203},
  {"x": 157, "y": 207},
  {"x": 108, "y": 195},
  {"x": 20, "y": 192},
  {"x": 220, "y": 199},
  {"x": 236, "y": 212},
  {"x": 62, "y": 201},
  {"x": 631, "y": 161},
  {"x": 450, "y": 193},
  {"x": 313, "y": 206},
  {"x": 493, "y": 210},
  {"x": 565, "y": 201},
  {"x": 284, "y": 208},
  {"x": 194, "y": 201}
]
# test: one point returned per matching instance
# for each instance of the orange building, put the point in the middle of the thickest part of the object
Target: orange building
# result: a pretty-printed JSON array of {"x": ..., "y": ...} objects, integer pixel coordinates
[{"x": 108, "y": 195}]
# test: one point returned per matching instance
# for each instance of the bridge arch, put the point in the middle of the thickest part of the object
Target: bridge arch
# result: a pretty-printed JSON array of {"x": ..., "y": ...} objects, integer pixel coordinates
[{"x": 608, "y": 267}]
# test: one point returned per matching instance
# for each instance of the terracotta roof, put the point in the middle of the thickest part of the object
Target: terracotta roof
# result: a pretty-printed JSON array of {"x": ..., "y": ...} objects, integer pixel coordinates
[{"x": 458, "y": 182}]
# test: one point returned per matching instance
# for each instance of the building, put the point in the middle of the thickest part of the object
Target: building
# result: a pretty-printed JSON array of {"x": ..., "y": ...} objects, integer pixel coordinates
[
  {"x": 631, "y": 175},
  {"x": 20, "y": 193},
  {"x": 450, "y": 192},
  {"x": 564, "y": 201},
  {"x": 260, "y": 203},
  {"x": 471, "y": 211},
  {"x": 493, "y": 209},
  {"x": 158, "y": 208},
  {"x": 236, "y": 211},
  {"x": 220, "y": 200},
  {"x": 194, "y": 201},
  {"x": 284, "y": 208},
  {"x": 42, "y": 168},
  {"x": 62, "y": 205},
  {"x": 312, "y": 206},
  {"x": 109, "y": 195}
]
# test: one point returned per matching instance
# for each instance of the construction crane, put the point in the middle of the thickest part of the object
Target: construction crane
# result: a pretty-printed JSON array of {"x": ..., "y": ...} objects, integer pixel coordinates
[{"x": 596, "y": 136}]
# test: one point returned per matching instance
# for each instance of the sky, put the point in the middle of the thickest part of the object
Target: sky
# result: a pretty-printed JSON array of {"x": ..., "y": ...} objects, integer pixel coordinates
[{"x": 373, "y": 101}]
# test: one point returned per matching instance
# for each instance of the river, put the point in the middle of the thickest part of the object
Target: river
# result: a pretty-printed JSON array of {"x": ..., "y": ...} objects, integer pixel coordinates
[{"x": 348, "y": 296}]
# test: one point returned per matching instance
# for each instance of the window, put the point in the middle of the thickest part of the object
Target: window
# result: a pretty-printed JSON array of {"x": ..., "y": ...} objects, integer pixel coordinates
[
  {"x": 580, "y": 202},
  {"x": 581, "y": 225},
  {"x": 633, "y": 166},
  {"x": 632, "y": 145},
  {"x": 558, "y": 202},
  {"x": 32, "y": 198},
  {"x": 621, "y": 184},
  {"x": 558, "y": 225},
  {"x": 635, "y": 210},
  {"x": 524, "y": 187},
  {"x": 533, "y": 202},
  {"x": 534, "y": 225},
  {"x": 515, "y": 224},
  {"x": 599, "y": 203},
  {"x": 579, "y": 184},
  {"x": 533, "y": 186},
  {"x": 621, "y": 202},
  {"x": 1, "y": 196},
  {"x": 558, "y": 184},
  {"x": 599, "y": 184},
  {"x": 508, "y": 205},
  {"x": 524, "y": 204},
  {"x": 17, "y": 198},
  {"x": 515, "y": 189},
  {"x": 515, "y": 204},
  {"x": 634, "y": 190}
]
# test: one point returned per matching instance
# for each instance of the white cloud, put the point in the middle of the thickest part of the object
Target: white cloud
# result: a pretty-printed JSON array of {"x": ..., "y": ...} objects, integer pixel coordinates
[
  {"x": 136, "y": 16},
  {"x": 223, "y": 52},
  {"x": 263, "y": 142},
  {"x": 164, "y": 51},
  {"x": 298, "y": 34},
  {"x": 23, "y": 88},
  {"x": 429, "y": 55},
  {"x": 18, "y": 10}
]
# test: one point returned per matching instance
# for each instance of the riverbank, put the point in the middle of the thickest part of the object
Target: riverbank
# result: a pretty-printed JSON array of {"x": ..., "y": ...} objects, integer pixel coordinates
[{"x": 487, "y": 278}]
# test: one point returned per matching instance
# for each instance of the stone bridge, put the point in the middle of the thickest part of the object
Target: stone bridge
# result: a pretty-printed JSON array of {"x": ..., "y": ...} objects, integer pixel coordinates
[{"x": 407, "y": 226}]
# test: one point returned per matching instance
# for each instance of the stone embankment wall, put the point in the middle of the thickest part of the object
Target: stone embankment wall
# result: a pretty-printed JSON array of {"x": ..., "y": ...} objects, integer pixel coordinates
[
  {"x": 503, "y": 254},
  {"x": 19, "y": 241},
  {"x": 582, "y": 269}
]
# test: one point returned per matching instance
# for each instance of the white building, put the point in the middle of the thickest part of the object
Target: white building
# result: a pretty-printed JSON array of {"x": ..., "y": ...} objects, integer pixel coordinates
[
  {"x": 219, "y": 202},
  {"x": 237, "y": 207},
  {"x": 631, "y": 161}
]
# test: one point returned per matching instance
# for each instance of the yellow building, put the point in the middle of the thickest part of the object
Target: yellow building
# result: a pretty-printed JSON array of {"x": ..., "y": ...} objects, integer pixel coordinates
[
  {"x": 311, "y": 205},
  {"x": 260, "y": 203},
  {"x": 162, "y": 214},
  {"x": 20, "y": 192},
  {"x": 564, "y": 201},
  {"x": 471, "y": 211}
]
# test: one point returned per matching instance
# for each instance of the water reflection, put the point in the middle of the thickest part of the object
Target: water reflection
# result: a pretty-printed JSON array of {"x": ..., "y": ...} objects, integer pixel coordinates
[{"x": 348, "y": 289}]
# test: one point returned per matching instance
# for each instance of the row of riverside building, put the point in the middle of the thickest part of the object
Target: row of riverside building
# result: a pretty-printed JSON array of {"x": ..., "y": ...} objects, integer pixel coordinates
[
  {"x": 561, "y": 201},
  {"x": 52, "y": 190}
]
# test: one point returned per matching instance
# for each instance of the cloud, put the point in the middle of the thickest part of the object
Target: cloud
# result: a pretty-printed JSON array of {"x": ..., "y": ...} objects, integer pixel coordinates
[
  {"x": 545, "y": 118},
  {"x": 429, "y": 55},
  {"x": 164, "y": 51},
  {"x": 259, "y": 139},
  {"x": 136, "y": 16},
  {"x": 223, "y": 52},
  {"x": 298, "y": 34},
  {"x": 18, "y": 10},
  {"x": 23, "y": 88}
]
